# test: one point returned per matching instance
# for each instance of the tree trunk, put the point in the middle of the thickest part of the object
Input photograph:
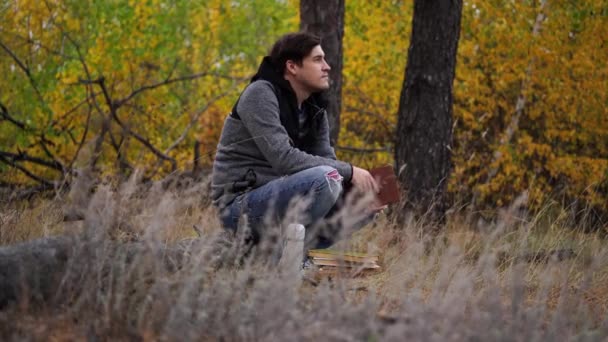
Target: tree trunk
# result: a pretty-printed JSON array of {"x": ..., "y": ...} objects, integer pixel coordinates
[
  {"x": 424, "y": 127},
  {"x": 326, "y": 19}
]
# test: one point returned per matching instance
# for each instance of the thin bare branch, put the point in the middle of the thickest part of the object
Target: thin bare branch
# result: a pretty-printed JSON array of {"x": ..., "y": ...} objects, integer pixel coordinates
[
  {"x": 49, "y": 154},
  {"x": 105, "y": 125},
  {"x": 22, "y": 156},
  {"x": 196, "y": 118},
  {"x": 138, "y": 137},
  {"x": 173, "y": 80},
  {"x": 114, "y": 105},
  {"x": 25, "y": 69},
  {"x": 4, "y": 113},
  {"x": 16, "y": 59},
  {"x": 82, "y": 140},
  {"x": 65, "y": 116},
  {"x": 26, "y": 171},
  {"x": 38, "y": 44},
  {"x": 390, "y": 127},
  {"x": 173, "y": 68},
  {"x": 54, "y": 163}
]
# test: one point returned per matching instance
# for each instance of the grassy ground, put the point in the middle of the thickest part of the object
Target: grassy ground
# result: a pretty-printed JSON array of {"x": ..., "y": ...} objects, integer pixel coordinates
[{"x": 518, "y": 278}]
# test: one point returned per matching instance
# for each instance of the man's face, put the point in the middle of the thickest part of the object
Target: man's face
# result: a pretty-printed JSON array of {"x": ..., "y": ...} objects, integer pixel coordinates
[{"x": 313, "y": 74}]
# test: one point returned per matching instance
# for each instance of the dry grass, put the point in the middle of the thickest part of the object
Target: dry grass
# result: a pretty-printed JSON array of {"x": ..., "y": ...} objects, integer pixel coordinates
[{"x": 135, "y": 272}]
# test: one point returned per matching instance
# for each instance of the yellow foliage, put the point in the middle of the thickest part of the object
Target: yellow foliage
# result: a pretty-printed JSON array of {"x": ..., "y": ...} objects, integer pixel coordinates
[
  {"x": 555, "y": 145},
  {"x": 559, "y": 142},
  {"x": 375, "y": 43}
]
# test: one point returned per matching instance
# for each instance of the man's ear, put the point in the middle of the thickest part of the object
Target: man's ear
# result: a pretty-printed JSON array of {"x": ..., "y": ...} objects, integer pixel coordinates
[{"x": 290, "y": 67}]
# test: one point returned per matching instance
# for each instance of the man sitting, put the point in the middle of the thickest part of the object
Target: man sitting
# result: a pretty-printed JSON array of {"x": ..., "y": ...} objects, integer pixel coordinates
[{"x": 275, "y": 147}]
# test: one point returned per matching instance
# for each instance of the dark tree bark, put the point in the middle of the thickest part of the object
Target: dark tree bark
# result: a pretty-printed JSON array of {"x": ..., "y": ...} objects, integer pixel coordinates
[
  {"x": 326, "y": 19},
  {"x": 424, "y": 127}
]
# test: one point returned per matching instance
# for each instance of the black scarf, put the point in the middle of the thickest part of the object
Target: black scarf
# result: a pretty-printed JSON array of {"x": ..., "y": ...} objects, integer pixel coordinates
[{"x": 288, "y": 105}]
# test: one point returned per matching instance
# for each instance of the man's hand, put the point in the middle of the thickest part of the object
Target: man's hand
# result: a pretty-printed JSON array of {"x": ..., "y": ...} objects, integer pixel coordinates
[{"x": 364, "y": 181}]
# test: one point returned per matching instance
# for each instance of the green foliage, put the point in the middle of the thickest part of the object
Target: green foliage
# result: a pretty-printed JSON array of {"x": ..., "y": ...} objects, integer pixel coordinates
[{"x": 63, "y": 54}]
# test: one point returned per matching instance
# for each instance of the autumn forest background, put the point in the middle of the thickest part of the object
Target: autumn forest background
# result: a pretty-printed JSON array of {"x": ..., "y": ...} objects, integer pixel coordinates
[
  {"x": 94, "y": 94},
  {"x": 137, "y": 85}
]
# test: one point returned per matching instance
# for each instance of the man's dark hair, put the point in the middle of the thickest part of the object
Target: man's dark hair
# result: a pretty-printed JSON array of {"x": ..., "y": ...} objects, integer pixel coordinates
[{"x": 292, "y": 46}]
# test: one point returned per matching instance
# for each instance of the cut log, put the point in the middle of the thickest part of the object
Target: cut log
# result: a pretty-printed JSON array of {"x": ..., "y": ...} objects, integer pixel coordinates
[
  {"x": 35, "y": 270},
  {"x": 28, "y": 270}
]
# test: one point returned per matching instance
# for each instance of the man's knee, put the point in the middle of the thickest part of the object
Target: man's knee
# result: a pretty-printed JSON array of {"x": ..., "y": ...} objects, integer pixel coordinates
[{"x": 329, "y": 178}]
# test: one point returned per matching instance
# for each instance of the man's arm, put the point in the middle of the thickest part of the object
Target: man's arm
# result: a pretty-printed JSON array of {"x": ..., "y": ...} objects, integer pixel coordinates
[{"x": 258, "y": 109}]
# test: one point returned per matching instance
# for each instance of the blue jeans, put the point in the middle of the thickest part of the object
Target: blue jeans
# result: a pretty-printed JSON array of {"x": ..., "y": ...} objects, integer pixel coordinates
[{"x": 322, "y": 195}]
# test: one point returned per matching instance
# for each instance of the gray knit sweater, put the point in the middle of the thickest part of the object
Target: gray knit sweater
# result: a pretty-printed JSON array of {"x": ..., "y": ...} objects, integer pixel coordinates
[{"x": 258, "y": 141}]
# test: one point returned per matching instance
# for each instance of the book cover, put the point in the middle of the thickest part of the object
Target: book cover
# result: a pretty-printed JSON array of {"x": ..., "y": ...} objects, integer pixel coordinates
[
  {"x": 342, "y": 263},
  {"x": 387, "y": 181},
  {"x": 341, "y": 272},
  {"x": 342, "y": 255}
]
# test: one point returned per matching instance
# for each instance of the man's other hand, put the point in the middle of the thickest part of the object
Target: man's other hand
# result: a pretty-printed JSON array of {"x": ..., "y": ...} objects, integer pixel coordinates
[{"x": 363, "y": 180}]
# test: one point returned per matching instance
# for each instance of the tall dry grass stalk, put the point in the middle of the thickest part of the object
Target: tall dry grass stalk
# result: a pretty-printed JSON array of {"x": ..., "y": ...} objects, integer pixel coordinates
[{"x": 134, "y": 268}]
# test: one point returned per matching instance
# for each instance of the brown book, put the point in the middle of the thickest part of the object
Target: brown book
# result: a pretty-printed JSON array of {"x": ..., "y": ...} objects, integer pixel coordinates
[
  {"x": 348, "y": 256},
  {"x": 387, "y": 181},
  {"x": 342, "y": 263},
  {"x": 335, "y": 263},
  {"x": 341, "y": 272}
]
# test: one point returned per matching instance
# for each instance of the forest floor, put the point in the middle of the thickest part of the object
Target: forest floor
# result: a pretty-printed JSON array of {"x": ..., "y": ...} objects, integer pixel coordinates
[{"x": 526, "y": 277}]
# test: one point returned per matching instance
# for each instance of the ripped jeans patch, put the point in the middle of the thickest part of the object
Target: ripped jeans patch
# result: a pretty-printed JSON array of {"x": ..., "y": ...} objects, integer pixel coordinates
[{"x": 334, "y": 180}]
